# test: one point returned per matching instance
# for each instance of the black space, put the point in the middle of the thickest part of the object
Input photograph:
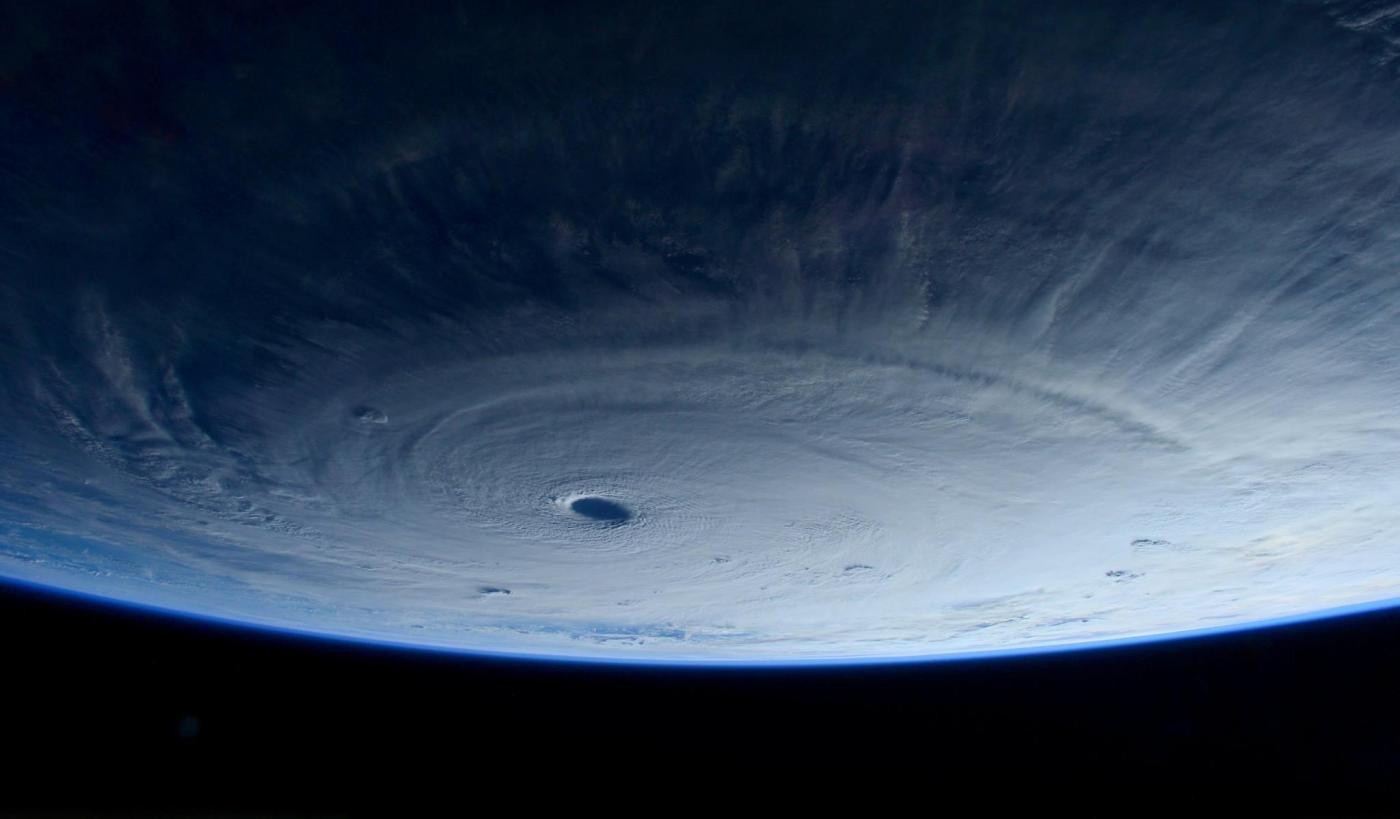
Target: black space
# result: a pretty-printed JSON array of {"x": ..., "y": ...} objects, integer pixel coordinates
[{"x": 119, "y": 706}]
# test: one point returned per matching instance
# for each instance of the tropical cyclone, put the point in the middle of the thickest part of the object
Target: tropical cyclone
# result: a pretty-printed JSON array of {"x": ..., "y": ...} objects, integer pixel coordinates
[
  {"x": 725, "y": 333},
  {"x": 778, "y": 499}
]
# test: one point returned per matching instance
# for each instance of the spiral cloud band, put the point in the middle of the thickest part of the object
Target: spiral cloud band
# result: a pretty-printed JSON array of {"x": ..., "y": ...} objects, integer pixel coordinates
[{"x": 694, "y": 502}]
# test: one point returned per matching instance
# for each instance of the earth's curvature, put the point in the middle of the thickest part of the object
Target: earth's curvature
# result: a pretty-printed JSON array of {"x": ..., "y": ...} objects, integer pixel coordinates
[{"x": 729, "y": 332}]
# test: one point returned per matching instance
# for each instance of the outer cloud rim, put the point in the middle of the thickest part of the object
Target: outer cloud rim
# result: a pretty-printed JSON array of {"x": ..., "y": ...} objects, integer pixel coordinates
[{"x": 174, "y": 615}]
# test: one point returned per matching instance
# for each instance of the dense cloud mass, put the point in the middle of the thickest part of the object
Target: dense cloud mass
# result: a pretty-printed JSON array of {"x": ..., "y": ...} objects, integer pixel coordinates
[{"x": 736, "y": 332}]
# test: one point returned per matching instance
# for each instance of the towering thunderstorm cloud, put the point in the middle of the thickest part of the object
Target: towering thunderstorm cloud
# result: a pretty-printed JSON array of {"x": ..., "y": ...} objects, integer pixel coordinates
[{"x": 705, "y": 332}]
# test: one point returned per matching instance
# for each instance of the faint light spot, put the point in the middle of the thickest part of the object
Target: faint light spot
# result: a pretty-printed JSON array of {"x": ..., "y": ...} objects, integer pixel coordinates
[{"x": 369, "y": 415}]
